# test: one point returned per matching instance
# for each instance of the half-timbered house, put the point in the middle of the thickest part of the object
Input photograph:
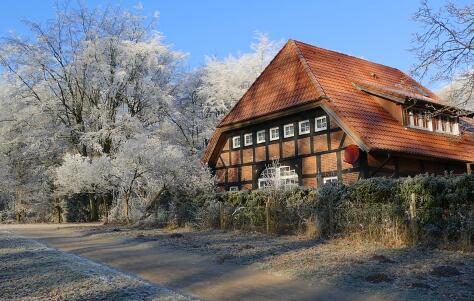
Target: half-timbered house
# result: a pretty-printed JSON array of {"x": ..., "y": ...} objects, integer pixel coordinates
[{"x": 326, "y": 116}]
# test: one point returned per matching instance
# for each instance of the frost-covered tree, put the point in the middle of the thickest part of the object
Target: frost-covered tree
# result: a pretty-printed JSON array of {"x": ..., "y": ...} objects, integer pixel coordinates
[
  {"x": 444, "y": 48},
  {"x": 91, "y": 93},
  {"x": 205, "y": 95},
  {"x": 29, "y": 145},
  {"x": 93, "y": 71},
  {"x": 225, "y": 81},
  {"x": 142, "y": 168}
]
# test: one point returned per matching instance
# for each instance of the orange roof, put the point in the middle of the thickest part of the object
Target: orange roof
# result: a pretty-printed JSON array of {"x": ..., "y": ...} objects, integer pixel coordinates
[{"x": 301, "y": 73}]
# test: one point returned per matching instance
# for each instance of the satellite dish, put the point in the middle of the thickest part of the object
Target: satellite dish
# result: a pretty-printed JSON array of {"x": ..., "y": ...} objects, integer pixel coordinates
[{"x": 351, "y": 154}]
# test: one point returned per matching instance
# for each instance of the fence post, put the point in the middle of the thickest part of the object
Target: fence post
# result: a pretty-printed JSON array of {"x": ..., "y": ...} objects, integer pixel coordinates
[
  {"x": 413, "y": 224},
  {"x": 221, "y": 216},
  {"x": 267, "y": 215},
  {"x": 331, "y": 219}
]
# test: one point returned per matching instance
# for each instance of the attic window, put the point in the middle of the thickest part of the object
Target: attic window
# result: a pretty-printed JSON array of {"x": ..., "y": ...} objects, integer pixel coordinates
[
  {"x": 423, "y": 120},
  {"x": 289, "y": 130},
  {"x": 447, "y": 124},
  {"x": 320, "y": 123},
  {"x": 236, "y": 142},
  {"x": 274, "y": 133},
  {"x": 304, "y": 127},
  {"x": 261, "y": 136},
  {"x": 248, "y": 139}
]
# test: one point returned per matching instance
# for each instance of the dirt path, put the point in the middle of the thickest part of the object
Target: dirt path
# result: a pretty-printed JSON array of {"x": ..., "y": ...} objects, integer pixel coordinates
[
  {"x": 29, "y": 270},
  {"x": 195, "y": 275}
]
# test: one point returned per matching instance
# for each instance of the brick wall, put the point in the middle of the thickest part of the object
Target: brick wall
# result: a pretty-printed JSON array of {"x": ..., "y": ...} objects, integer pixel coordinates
[
  {"x": 309, "y": 165},
  {"x": 274, "y": 151},
  {"x": 247, "y": 155},
  {"x": 336, "y": 139},
  {"x": 260, "y": 153},
  {"x": 235, "y": 157},
  {"x": 310, "y": 182},
  {"x": 350, "y": 178},
  {"x": 320, "y": 143},
  {"x": 246, "y": 173},
  {"x": 232, "y": 175},
  {"x": 304, "y": 146},
  {"x": 237, "y": 165},
  {"x": 328, "y": 162},
  {"x": 288, "y": 149}
]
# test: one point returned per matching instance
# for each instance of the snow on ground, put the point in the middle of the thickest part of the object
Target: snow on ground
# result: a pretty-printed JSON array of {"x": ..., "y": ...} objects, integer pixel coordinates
[{"x": 31, "y": 271}]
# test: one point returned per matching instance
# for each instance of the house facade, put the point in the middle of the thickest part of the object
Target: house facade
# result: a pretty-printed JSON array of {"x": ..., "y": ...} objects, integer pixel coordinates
[{"x": 326, "y": 116}]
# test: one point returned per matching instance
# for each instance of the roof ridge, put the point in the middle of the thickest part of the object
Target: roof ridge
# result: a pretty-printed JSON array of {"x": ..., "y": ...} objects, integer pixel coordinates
[
  {"x": 347, "y": 55},
  {"x": 254, "y": 82},
  {"x": 308, "y": 69}
]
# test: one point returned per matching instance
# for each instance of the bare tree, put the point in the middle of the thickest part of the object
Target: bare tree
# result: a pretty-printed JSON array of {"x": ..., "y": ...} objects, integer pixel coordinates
[{"x": 444, "y": 49}]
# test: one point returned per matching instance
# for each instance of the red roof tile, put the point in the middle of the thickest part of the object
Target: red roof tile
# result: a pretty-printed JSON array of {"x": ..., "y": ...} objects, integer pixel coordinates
[{"x": 302, "y": 73}]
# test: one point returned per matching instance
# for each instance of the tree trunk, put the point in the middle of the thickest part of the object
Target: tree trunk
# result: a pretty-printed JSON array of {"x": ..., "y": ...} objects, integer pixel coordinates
[
  {"x": 93, "y": 209},
  {"x": 58, "y": 212},
  {"x": 126, "y": 208},
  {"x": 18, "y": 217},
  {"x": 106, "y": 208}
]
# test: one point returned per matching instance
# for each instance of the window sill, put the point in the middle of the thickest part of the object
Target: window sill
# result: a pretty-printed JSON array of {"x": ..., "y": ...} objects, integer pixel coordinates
[{"x": 432, "y": 131}]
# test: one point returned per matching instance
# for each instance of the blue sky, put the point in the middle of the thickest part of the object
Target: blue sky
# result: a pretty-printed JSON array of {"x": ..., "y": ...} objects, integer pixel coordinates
[{"x": 380, "y": 31}]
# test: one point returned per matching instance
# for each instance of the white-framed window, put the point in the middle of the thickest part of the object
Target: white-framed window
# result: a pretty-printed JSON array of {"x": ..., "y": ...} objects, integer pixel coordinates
[
  {"x": 274, "y": 133},
  {"x": 304, "y": 127},
  {"x": 420, "y": 119},
  {"x": 330, "y": 179},
  {"x": 236, "y": 142},
  {"x": 289, "y": 130},
  {"x": 424, "y": 120},
  {"x": 446, "y": 124},
  {"x": 261, "y": 136},
  {"x": 320, "y": 123},
  {"x": 248, "y": 139},
  {"x": 278, "y": 177},
  {"x": 234, "y": 188}
]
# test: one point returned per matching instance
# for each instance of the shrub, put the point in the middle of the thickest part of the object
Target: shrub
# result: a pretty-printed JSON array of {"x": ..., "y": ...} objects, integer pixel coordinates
[{"x": 372, "y": 209}]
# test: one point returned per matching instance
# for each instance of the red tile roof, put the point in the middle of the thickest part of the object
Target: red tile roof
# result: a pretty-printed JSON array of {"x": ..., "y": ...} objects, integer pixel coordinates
[{"x": 302, "y": 73}]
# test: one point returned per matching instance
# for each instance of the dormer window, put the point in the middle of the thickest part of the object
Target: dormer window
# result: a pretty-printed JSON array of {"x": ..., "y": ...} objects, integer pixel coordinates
[
  {"x": 424, "y": 120},
  {"x": 420, "y": 119},
  {"x": 447, "y": 124}
]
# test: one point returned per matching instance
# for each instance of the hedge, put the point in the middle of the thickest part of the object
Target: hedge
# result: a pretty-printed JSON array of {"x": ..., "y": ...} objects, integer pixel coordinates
[{"x": 425, "y": 209}]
